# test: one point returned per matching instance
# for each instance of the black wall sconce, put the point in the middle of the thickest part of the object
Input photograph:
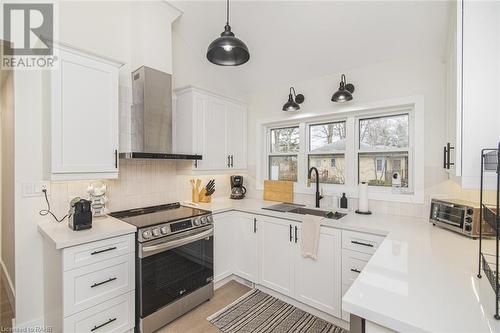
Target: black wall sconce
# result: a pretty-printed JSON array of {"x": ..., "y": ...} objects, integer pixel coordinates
[
  {"x": 344, "y": 94},
  {"x": 293, "y": 101}
]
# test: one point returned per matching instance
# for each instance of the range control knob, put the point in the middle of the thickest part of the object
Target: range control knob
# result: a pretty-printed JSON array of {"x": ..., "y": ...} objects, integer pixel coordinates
[
  {"x": 468, "y": 219},
  {"x": 203, "y": 220},
  {"x": 470, "y": 211},
  {"x": 146, "y": 234},
  {"x": 164, "y": 230},
  {"x": 156, "y": 232},
  {"x": 210, "y": 219},
  {"x": 468, "y": 227},
  {"x": 196, "y": 221}
]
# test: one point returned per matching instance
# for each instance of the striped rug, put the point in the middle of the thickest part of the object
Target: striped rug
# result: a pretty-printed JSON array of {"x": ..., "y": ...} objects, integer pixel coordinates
[{"x": 258, "y": 312}]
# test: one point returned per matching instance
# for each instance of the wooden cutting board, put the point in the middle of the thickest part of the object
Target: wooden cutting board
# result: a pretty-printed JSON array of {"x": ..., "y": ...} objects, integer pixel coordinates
[{"x": 278, "y": 190}]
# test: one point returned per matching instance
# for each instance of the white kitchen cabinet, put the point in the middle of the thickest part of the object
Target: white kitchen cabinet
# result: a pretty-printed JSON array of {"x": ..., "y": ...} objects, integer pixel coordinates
[
  {"x": 90, "y": 285},
  {"x": 83, "y": 108},
  {"x": 223, "y": 245},
  {"x": 318, "y": 282},
  {"x": 277, "y": 254},
  {"x": 213, "y": 126},
  {"x": 246, "y": 264},
  {"x": 473, "y": 120}
]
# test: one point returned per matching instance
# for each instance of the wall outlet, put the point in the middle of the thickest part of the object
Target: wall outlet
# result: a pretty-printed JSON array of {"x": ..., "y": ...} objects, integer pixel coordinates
[{"x": 35, "y": 189}]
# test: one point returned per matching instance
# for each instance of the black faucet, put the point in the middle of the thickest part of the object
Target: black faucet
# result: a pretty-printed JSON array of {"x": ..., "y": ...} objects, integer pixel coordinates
[{"x": 318, "y": 196}]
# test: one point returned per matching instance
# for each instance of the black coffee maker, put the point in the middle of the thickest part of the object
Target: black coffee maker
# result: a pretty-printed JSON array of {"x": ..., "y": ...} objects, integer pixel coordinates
[
  {"x": 80, "y": 214},
  {"x": 238, "y": 191}
]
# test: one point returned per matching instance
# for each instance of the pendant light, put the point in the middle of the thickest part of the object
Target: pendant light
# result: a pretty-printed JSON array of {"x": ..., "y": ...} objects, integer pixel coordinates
[
  {"x": 293, "y": 101},
  {"x": 227, "y": 50},
  {"x": 345, "y": 91}
]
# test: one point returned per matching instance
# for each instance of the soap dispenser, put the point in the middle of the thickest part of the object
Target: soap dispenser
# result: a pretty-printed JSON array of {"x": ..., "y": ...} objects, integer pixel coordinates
[{"x": 343, "y": 201}]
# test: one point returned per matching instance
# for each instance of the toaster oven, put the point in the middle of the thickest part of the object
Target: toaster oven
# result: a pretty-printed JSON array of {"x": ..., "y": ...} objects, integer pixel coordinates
[{"x": 459, "y": 216}]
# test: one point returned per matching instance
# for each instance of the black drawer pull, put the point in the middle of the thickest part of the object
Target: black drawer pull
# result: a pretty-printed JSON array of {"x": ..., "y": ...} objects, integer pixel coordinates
[
  {"x": 291, "y": 237},
  {"x": 296, "y": 238},
  {"x": 105, "y": 250},
  {"x": 355, "y": 270},
  {"x": 254, "y": 225},
  {"x": 361, "y": 243},
  {"x": 103, "y": 282},
  {"x": 106, "y": 323}
]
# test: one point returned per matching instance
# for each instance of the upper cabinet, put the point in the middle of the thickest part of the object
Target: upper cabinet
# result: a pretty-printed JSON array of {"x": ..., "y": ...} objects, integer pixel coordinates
[
  {"x": 213, "y": 126},
  {"x": 473, "y": 121},
  {"x": 83, "y": 117}
]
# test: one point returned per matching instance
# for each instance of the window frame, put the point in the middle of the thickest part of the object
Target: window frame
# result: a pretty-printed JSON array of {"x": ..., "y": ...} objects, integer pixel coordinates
[
  {"x": 412, "y": 105},
  {"x": 269, "y": 149}
]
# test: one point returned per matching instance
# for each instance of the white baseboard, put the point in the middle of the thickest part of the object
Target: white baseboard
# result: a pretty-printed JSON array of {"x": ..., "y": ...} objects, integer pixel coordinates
[
  {"x": 36, "y": 325},
  {"x": 11, "y": 292}
]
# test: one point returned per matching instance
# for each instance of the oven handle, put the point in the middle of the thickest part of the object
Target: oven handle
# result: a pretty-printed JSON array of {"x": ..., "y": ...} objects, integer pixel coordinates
[{"x": 178, "y": 242}]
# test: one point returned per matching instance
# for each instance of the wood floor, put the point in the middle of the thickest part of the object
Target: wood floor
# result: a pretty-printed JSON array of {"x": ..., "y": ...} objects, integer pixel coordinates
[
  {"x": 6, "y": 312},
  {"x": 196, "y": 321}
]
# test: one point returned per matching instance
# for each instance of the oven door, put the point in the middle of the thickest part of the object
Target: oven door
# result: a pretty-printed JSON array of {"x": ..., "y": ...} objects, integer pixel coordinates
[
  {"x": 173, "y": 266},
  {"x": 448, "y": 214}
]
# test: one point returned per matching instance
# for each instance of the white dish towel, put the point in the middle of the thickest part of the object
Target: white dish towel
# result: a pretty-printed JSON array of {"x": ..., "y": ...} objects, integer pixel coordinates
[{"x": 310, "y": 236}]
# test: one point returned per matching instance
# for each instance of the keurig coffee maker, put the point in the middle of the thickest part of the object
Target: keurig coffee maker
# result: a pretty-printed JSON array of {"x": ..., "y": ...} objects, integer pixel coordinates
[{"x": 238, "y": 191}]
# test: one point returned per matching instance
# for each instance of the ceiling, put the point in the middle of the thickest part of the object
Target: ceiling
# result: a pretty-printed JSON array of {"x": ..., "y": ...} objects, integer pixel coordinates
[{"x": 291, "y": 41}]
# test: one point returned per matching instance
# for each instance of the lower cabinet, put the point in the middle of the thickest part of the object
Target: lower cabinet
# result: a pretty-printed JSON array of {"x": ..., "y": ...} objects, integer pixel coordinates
[
  {"x": 246, "y": 259},
  {"x": 276, "y": 254},
  {"x": 223, "y": 245},
  {"x": 267, "y": 251},
  {"x": 317, "y": 282}
]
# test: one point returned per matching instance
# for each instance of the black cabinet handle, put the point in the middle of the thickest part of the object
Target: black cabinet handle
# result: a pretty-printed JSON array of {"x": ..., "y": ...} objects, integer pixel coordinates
[
  {"x": 232, "y": 160},
  {"x": 296, "y": 234},
  {"x": 103, "y": 282},
  {"x": 361, "y": 243},
  {"x": 291, "y": 237},
  {"x": 355, "y": 270},
  {"x": 105, "y": 250},
  {"x": 446, "y": 156},
  {"x": 228, "y": 161},
  {"x": 254, "y": 225},
  {"x": 106, "y": 323},
  {"x": 195, "y": 163},
  {"x": 116, "y": 159}
]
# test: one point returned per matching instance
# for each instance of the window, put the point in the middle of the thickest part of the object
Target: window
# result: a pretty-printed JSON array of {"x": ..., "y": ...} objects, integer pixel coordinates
[
  {"x": 383, "y": 149},
  {"x": 327, "y": 144},
  {"x": 285, "y": 145}
]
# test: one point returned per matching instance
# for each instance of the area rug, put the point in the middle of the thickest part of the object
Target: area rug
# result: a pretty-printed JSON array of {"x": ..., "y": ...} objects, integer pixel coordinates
[{"x": 258, "y": 312}]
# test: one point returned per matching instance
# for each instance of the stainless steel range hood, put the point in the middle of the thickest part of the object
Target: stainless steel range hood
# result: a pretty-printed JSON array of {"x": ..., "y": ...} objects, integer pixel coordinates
[{"x": 151, "y": 118}]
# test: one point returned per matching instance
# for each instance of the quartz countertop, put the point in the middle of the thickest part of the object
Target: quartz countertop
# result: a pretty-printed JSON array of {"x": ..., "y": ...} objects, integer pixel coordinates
[
  {"x": 421, "y": 278},
  {"x": 102, "y": 227}
]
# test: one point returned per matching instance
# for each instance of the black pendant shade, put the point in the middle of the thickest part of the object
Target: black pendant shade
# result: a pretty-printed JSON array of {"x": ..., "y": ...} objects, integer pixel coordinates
[
  {"x": 293, "y": 102},
  {"x": 344, "y": 94},
  {"x": 227, "y": 50}
]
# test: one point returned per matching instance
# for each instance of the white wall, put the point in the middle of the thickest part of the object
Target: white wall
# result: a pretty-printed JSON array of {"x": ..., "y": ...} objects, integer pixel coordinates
[
  {"x": 103, "y": 28},
  {"x": 373, "y": 83}
]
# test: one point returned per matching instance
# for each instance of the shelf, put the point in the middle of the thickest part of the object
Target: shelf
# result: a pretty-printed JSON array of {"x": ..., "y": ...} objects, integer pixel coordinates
[
  {"x": 491, "y": 217},
  {"x": 490, "y": 272}
]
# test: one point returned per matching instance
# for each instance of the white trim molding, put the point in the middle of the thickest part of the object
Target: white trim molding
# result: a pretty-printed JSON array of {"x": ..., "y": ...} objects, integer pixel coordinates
[
  {"x": 413, "y": 105},
  {"x": 11, "y": 292}
]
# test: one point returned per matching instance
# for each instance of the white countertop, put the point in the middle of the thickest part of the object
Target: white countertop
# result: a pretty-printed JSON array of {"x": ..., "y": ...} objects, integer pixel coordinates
[
  {"x": 102, "y": 227},
  {"x": 421, "y": 278}
]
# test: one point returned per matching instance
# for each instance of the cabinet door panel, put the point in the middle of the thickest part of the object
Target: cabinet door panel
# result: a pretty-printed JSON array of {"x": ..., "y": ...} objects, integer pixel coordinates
[
  {"x": 214, "y": 136},
  {"x": 246, "y": 249},
  {"x": 276, "y": 255},
  {"x": 318, "y": 282},
  {"x": 237, "y": 134},
  {"x": 84, "y": 115},
  {"x": 223, "y": 245}
]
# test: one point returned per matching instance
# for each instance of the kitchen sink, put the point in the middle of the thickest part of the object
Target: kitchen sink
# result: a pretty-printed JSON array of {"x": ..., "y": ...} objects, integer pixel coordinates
[
  {"x": 317, "y": 212},
  {"x": 300, "y": 209}
]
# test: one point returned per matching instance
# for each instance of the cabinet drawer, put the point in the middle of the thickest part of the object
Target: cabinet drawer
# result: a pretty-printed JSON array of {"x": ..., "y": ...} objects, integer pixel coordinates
[
  {"x": 90, "y": 285},
  {"x": 91, "y": 253},
  {"x": 352, "y": 264},
  {"x": 114, "y": 316},
  {"x": 361, "y": 242}
]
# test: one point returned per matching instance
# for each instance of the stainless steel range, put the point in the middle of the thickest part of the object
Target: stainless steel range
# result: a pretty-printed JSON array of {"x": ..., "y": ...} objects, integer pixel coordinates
[{"x": 174, "y": 262}]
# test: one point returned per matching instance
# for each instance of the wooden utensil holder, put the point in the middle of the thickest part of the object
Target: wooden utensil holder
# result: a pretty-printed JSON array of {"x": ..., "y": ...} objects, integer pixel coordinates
[{"x": 202, "y": 197}]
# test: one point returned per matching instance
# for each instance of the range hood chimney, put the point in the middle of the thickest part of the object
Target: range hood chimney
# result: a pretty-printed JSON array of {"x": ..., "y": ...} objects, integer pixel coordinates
[{"x": 151, "y": 118}]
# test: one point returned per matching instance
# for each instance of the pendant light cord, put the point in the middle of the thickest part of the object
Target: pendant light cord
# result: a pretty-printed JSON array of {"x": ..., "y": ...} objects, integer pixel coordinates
[{"x": 227, "y": 13}]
